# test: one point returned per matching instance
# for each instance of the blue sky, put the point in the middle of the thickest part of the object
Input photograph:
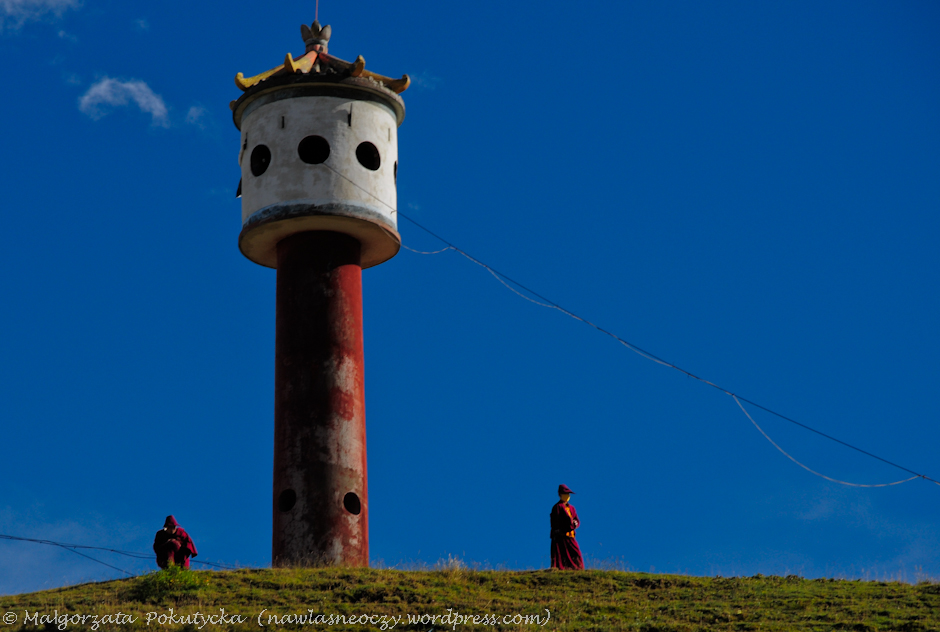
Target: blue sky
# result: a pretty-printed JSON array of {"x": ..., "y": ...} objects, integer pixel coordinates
[{"x": 748, "y": 191}]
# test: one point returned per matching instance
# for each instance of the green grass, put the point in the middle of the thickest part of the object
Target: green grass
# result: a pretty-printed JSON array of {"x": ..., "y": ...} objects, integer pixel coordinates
[{"x": 584, "y": 600}]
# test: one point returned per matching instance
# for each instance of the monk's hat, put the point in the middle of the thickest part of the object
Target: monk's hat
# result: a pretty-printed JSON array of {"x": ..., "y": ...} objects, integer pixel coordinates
[
  {"x": 170, "y": 522},
  {"x": 564, "y": 489}
]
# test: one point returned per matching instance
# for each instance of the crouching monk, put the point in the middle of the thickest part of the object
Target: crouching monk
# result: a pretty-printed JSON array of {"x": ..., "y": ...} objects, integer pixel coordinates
[
  {"x": 566, "y": 554},
  {"x": 173, "y": 545}
]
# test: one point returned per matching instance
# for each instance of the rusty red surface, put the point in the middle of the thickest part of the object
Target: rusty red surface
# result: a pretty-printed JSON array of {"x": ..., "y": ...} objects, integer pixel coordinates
[{"x": 320, "y": 478}]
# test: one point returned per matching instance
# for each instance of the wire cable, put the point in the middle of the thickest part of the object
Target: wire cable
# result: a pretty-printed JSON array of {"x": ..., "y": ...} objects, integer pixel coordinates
[
  {"x": 512, "y": 289},
  {"x": 68, "y": 547},
  {"x": 649, "y": 356},
  {"x": 629, "y": 345},
  {"x": 99, "y": 561},
  {"x": 226, "y": 567},
  {"x": 133, "y": 554},
  {"x": 360, "y": 187},
  {"x": 421, "y": 252},
  {"x": 782, "y": 451}
]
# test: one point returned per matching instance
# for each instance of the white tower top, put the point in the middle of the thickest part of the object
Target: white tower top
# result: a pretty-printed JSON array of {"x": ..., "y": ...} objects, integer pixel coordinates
[{"x": 319, "y": 151}]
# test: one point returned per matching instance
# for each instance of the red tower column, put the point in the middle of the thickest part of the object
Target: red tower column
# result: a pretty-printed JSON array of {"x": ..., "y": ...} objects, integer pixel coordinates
[{"x": 321, "y": 508}]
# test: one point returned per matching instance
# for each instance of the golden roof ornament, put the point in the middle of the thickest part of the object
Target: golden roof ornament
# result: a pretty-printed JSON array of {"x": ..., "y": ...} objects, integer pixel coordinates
[
  {"x": 316, "y": 38},
  {"x": 317, "y": 61}
]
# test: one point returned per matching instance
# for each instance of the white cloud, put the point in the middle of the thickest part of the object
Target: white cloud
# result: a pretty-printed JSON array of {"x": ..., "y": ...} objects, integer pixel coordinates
[
  {"x": 113, "y": 92},
  {"x": 196, "y": 116},
  {"x": 142, "y": 24},
  {"x": 14, "y": 13},
  {"x": 425, "y": 81}
]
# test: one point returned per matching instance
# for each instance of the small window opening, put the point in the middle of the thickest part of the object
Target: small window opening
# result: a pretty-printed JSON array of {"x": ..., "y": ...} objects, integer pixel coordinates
[
  {"x": 260, "y": 159},
  {"x": 287, "y": 500},
  {"x": 368, "y": 155},
  {"x": 352, "y": 504},
  {"x": 313, "y": 150}
]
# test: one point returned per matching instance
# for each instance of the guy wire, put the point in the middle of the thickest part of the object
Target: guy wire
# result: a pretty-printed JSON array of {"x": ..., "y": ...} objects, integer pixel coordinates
[
  {"x": 649, "y": 356},
  {"x": 134, "y": 554}
]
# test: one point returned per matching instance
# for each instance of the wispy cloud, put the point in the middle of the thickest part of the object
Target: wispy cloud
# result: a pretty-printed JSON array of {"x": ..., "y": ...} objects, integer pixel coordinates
[
  {"x": 142, "y": 24},
  {"x": 108, "y": 92},
  {"x": 15, "y": 13},
  {"x": 197, "y": 116},
  {"x": 425, "y": 81}
]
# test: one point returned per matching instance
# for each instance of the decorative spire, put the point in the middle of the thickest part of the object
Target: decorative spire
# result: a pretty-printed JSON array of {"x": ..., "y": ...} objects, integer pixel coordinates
[
  {"x": 317, "y": 61},
  {"x": 316, "y": 38}
]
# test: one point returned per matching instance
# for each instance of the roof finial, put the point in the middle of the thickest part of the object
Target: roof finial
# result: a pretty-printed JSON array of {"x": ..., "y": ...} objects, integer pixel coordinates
[
  {"x": 317, "y": 62},
  {"x": 315, "y": 37}
]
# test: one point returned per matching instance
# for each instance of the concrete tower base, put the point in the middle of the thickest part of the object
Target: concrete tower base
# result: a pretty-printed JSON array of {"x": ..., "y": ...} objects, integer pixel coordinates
[{"x": 321, "y": 508}]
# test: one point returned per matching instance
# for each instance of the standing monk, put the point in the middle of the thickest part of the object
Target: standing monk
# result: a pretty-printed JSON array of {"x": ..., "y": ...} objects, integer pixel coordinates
[
  {"x": 173, "y": 545},
  {"x": 566, "y": 554}
]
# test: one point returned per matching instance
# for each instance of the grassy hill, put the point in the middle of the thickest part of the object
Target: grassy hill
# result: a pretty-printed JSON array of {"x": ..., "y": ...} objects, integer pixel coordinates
[{"x": 586, "y": 600}]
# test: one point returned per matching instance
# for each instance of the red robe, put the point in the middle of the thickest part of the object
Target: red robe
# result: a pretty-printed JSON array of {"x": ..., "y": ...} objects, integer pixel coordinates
[
  {"x": 177, "y": 545},
  {"x": 566, "y": 554}
]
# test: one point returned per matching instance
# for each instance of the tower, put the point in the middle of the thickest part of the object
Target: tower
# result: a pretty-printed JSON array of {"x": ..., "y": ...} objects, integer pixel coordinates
[{"x": 319, "y": 165}]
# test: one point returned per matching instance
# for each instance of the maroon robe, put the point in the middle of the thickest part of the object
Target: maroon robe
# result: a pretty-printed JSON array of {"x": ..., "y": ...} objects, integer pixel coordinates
[
  {"x": 178, "y": 546},
  {"x": 566, "y": 554}
]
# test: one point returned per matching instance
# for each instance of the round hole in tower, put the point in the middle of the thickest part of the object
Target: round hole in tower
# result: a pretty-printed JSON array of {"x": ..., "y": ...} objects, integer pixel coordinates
[
  {"x": 287, "y": 500},
  {"x": 260, "y": 159},
  {"x": 368, "y": 155},
  {"x": 352, "y": 504},
  {"x": 313, "y": 150}
]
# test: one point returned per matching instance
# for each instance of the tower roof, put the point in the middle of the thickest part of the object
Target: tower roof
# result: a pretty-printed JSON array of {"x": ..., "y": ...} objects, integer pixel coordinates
[{"x": 317, "y": 62}]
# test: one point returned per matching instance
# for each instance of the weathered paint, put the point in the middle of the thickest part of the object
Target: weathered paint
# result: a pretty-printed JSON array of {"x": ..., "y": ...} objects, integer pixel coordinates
[
  {"x": 319, "y": 410},
  {"x": 340, "y": 194},
  {"x": 319, "y": 225}
]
